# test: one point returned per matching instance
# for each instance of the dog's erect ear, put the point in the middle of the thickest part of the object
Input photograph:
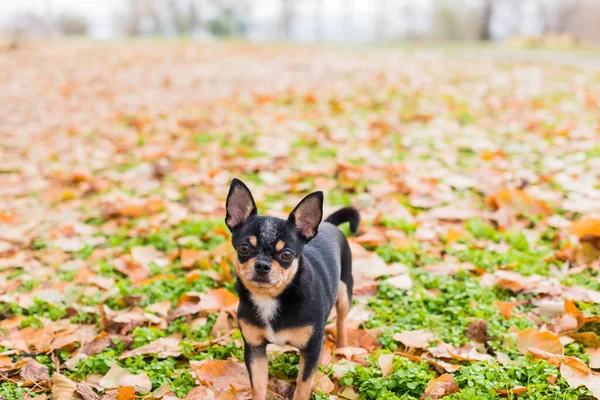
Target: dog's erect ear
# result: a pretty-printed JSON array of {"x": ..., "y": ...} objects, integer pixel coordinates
[
  {"x": 240, "y": 204},
  {"x": 307, "y": 215}
]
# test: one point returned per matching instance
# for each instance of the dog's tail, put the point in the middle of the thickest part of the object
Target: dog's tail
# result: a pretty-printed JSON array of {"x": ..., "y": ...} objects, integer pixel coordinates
[{"x": 346, "y": 214}]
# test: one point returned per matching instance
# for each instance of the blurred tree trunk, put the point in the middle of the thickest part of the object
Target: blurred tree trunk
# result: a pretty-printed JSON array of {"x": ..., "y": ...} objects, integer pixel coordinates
[
  {"x": 287, "y": 17},
  {"x": 381, "y": 19},
  {"x": 486, "y": 20},
  {"x": 348, "y": 18},
  {"x": 318, "y": 20}
]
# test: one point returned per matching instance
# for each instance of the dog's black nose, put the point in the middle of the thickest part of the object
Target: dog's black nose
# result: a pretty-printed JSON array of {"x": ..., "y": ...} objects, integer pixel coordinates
[{"x": 262, "y": 268}]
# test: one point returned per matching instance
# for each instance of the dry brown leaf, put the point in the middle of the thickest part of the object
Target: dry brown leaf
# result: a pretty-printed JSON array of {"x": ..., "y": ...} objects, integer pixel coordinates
[
  {"x": 372, "y": 236},
  {"x": 163, "y": 348},
  {"x": 34, "y": 372},
  {"x": 447, "y": 268},
  {"x": 505, "y": 308},
  {"x": 515, "y": 391},
  {"x": 440, "y": 387},
  {"x": 586, "y": 227},
  {"x": 478, "y": 331},
  {"x": 588, "y": 339},
  {"x": 322, "y": 383},
  {"x": 222, "y": 325},
  {"x": 348, "y": 392},
  {"x": 217, "y": 300},
  {"x": 363, "y": 286},
  {"x": 118, "y": 376},
  {"x": 386, "y": 364},
  {"x": 86, "y": 391},
  {"x": 403, "y": 282},
  {"x": 362, "y": 338},
  {"x": 577, "y": 373},
  {"x": 161, "y": 309},
  {"x": 188, "y": 304},
  {"x": 418, "y": 339},
  {"x": 352, "y": 353},
  {"x": 518, "y": 202},
  {"x": 200, "y": 393},
  {"x": 374, "y": 267},
  {"x": 63, "y": 388},
  {"x": 541, "y": 340},
  {"x": 594, "y": 355},
  {"x": 191, "y": 257},
  {"x": 223, "y": 376}
]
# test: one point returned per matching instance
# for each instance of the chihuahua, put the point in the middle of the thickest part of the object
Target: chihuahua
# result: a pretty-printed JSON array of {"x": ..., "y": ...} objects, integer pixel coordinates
[{"x": 290, "y": 273}]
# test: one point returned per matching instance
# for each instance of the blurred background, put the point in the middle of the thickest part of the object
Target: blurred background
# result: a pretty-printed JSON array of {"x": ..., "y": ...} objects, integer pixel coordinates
[{"x": 526, "y": 23}]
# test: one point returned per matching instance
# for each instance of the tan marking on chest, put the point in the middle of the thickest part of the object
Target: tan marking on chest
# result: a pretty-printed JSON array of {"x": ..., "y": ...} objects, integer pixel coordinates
[
  {"x": 280, "y": 245},
  {"x": 256, "y": 336}
]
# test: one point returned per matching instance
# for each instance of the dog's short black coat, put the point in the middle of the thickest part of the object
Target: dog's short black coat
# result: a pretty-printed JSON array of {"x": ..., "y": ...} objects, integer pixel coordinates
[{"x": 290, "y": 302}]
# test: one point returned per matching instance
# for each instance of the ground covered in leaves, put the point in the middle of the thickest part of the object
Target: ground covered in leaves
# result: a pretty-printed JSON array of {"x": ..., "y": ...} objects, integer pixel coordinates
[{"x": 475, "y": 266}]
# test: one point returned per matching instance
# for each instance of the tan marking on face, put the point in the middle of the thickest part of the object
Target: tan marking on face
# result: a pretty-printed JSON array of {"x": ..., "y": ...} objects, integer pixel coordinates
[
  {"x": 253, "y": 334},
  {"x": 279, "y": 277},
  {"x": 256, "y": 336},
  {"x": 260, "y": 377},
  {"x": 304, "y": 388},
  {"x": 252, "y": 240},
  {"x": 280, "y": 245},
  {"x": 342, "y": 307}
]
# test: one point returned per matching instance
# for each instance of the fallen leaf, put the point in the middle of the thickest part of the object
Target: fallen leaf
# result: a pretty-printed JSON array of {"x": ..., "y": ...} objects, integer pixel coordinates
[
  {"x": 542, "y": 340},
  {"x": 505, "y": 308},
  {"x": 63, "y": 388},
  {"x": 126, "y": 393},
  {"x": 418, "y": 339},
  {"x": 518, "y": 202},
  {"x": 403, "y": 282},
  {"x": 577, "y": 373},
  {"x": 440, "y": 387},
  {"x": 163, "y": 348},
  {"x": 322, "y": 383},
  {"x": 86, "y": 391},
  {"x": 386, "y": 364},
  {"x": 478, "y": 331},
  {"x": 515, "y": 391},
  {"x": 34, "y": 372},
  {"x": 117, "y": 377},
  {"x": 374, "y": 267},
  {"x": 200, "y": 393},
  {"x": 222, "y": 375}
]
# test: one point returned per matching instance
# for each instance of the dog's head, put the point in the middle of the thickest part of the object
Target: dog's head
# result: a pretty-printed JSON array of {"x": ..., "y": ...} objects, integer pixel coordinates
[{"x": 267, "y": 248}]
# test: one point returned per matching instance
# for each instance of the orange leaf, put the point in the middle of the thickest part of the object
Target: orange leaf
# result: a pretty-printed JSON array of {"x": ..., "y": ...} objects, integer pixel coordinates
[
  {"x": 586, "y": 227},
  {"x": 505, "y": 308},
  {"x": 517, "y": 390},
  {"x": 126, "y": 393},
  {"x": 542, "y": 340}
]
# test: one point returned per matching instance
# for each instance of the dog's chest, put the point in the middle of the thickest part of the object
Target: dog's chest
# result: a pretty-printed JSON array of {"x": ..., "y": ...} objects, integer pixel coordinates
[{"x": 267, "y": 310}]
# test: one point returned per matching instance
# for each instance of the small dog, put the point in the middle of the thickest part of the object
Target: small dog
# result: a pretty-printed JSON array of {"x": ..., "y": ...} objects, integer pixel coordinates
[{"x": 289, "y": 275}]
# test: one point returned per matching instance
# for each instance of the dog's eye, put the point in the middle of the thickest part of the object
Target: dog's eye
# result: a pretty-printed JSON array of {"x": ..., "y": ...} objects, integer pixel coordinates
[
  {"x": 244, "y": 248},
  {"x": 287, "y": 255}
]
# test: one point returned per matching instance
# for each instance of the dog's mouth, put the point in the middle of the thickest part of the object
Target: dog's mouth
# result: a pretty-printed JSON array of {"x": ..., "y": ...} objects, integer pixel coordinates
[{"x": 261, "y": 281}]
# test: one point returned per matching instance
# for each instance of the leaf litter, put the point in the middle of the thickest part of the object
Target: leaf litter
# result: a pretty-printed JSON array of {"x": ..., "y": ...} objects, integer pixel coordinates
[{"x": 479, "y": 190}]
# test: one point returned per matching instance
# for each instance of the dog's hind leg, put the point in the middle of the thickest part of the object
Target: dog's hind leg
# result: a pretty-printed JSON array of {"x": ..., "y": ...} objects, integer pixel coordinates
[{"x": 344, "y": 297}]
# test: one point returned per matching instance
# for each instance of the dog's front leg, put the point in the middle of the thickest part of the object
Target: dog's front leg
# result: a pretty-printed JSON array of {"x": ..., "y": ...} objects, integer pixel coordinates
[
  {"x": 310, "y": 356},
  {"x": 257, "y": 364}
]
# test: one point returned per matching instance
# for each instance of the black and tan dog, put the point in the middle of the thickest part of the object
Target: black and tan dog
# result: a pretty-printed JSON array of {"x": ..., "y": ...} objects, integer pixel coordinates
[{"x": 290, "y": 274}]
